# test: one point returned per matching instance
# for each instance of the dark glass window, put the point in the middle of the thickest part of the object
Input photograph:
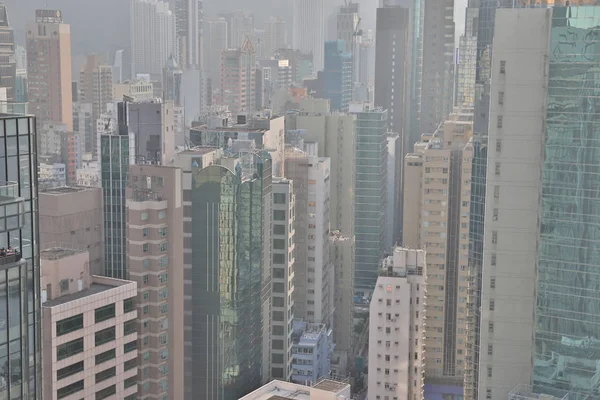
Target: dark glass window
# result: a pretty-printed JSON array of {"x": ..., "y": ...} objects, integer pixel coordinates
[
  {"x": 129, "y": 327},
  {"x": 107, "y": 373},
  {"x": 104, "y": 393},
  {"x": 107, "y": 355},
  {"x": 129, "y": 346},
  {"x": 70, "y": 389},
  {"x": 128, "y": 305},
  {"x": 129, "y": 382},
  {"x": 130, "y": 364},
  {"x": 105, "y": 336},
  {"x": 104, "y": 313},
  {"x": 68, "y": 325},
  {"x": 70, "y": 370},
  {"x": 69, "y": 349}
]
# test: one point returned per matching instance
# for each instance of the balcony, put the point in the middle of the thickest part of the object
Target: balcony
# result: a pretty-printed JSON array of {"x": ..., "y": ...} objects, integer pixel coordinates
[{"x": 10, "y": 257}]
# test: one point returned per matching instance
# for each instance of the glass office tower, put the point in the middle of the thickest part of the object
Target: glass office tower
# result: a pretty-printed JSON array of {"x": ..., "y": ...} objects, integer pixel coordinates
[
  {"x": 567, "y": 339},
  {"x": 229, "y": 209},
  {"x": 20, "y": 326}
]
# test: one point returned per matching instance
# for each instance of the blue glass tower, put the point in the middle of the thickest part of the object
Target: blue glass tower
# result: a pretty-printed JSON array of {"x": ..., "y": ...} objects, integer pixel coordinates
[{"x": 337, "y": 75}]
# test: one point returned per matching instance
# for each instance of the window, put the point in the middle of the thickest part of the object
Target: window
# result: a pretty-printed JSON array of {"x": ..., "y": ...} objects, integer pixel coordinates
[
  {"x": 129, "y": 382},
  {"x": 127, "y": 347},
  {"x": 278, "y": 258},
  {"x": 146, "y": 278},
  {"x": 164, "y": 262},
  {"x": 279, "y": 198},
  {"x": 279, "y": 215},
  {"x": 499, "y": 121},
  {"x": 495, "y": 214},
  {"x": 129, "y": 327},
  {"x": 496, "y": 192},
  {"x": 502, "y": 67},
  {"x": 163, "y": 232},
  {"x": 489, "y": 372},
  {"x": 145, "y": 232},
  {"x": 164, "y": 308},
  {"x": 490, "y": 349},
  {"x": 145, "y": 309},
  {"x": 497, "y": 169},
  {"x": 69, "y": 325},
  {"x": 279, "y": 244},
  {"x": 70, "y": 370},
  {"x": 64, "y": 286},
  {"x": 145, "y": 247},
  {"x": 278, "y": 229},
  {"x": 70, "y": 389},
  {"x": 105, "y": 335},
  {"x": 494, "y": 259},
  {"x": 69, "y": 349},
  {"x": 107, "y": 355},
  {"x": 494, "y": 237},
  {"x": 387, "y": 357},
  {"x": 146, "y": 264},
  {"x": 130, "y": 364},
  {"x": 388, "y": 330},
  {"x": 144, "y": 216},
  {"x": 500, "y": 98},
  {"x": 104, "y": 393},
  {"x": 488, "y": 394},
  {"x": 498, "y": 146},
  {"x": 106, "y": 374},
  {"x": 128, "y": 305},
  {"x": 493, "y": 282},
  {"x": 164, "y": 247},
  {"x": 162, "y": 214},
  {"x": 105, "y": 313},
  {"x": 387, "y": 371},
  {"x": 163, "y": 278},
  {"x": 492, "y": 304},
  {"x": 491, "y": 328},
  {"x": 163, "y": 339}
]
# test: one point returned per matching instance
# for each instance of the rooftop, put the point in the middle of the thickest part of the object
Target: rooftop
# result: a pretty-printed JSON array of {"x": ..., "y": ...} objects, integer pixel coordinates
[
  {"x": 66, "y": 190},
  {"x": 94, "y": 288},
  {"x": 56, "y": 253},
  {"x": 199, "y": 150},
  {"x": 330, "y": 386},
  {"x": 279, "y": 390}
]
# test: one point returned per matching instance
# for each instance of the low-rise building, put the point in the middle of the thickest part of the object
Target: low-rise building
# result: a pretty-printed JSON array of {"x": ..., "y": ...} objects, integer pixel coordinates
[
  {"x": 311, "y": 352},
  {"x": 89, "y": 330},
  {"x": 325, "y": 389}
]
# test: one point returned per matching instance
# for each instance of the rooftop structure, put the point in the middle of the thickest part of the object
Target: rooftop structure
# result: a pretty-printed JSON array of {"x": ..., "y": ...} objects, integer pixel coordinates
[{"x": 325, "y": 389}]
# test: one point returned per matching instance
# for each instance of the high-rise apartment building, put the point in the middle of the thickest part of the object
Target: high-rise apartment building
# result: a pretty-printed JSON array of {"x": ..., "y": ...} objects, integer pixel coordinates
[
  {"x": 283, "y": 276},
  {"x": 172, "y": 79},
  {"x": 84, "y": 126},
  {"x": 275, "y": 36},
  {"x": 314, "y": 275},
  {"x": 190, "y": 30},
  {"x": 393, "y": 210},
  {"x": 227, "y": 259},
  {"x": 74, "y": 216},
  {"x": 238, "y": 82},
  {"x": 216, "y": 32},
  {"x": 20, "y": 300},
  {"x": 337, "y": 75},
  {"x": 437, "y": 86},
  {"x": 96, "y": 88},
  {"x": 155, "y": 259},
  {"x": 347, "y": 25},
  {"x": 370, "y": 192},
  {"x": 152, "y": 123},
  {"x": 8, "y": 63},
  {"x": 336, "y": 138},
  {"x": 153, "y": 36},
  {"x": 397, "y": 314},
  {"x": 466, "y": 73},
  {"x": 90, "y": 330},
  {"x": 436, "y": 213},
  {"x": 341, "y": 256},
  {"x": 49, "y": 91},
  {"x": 240, "y": 27},
  {"x": 309, "y": 29}
]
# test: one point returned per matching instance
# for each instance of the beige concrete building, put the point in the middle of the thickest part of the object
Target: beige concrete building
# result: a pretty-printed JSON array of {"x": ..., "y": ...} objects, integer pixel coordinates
[
  {"x": 323, "y": 390},
  {"x": 89, "y": 330},
  {"x": 396, "y": 328},
  {"x": 48, "y": 43},
  {"x": 282, "y": 298},
  {"x": 436, "y": 210},
  {"x": 336, "y": 136},
  {"x": 155, "y": 261},
  {"x": 74, "y": 215},
  {"x": 138, "y": 89}
]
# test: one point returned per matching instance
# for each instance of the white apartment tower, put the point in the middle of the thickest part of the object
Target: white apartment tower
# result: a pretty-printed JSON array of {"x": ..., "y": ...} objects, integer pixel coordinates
[
  {"x": 309, "y": 29},
  {"x": 282, "y": 297},
  {"x": 153, "y": 36},
  {"x": 395, "y": 328},
  {"x": 314, "y": 281},
  {"x": 216, "y": 43}
]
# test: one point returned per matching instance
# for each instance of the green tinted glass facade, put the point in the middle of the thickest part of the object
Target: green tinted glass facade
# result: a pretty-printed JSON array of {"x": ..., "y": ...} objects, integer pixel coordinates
[
  {"x": 228, "y": 259},
  {"x": 370, "y": 195},
  {"x": 567, "y": 342}
]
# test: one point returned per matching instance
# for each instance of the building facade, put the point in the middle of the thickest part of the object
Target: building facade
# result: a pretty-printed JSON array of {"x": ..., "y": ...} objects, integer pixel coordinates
[
  {"x": 397, "y": 314},
  {"x": 90, "y": 330},
  {"x": 275, "y": 36},
  {"x": 337, "y": 75},
  {"x": 309, "y": 29},
  {"x": 238, "y": 83},
  {"x": 49, "y": 84},
  {"x": 311, "y": 351},
  {"x": 8, "y": 62},
  {"x": 217, "y": 42},
  {"x": 155, "y": 259},
  {"x": 341, "y": 255}
]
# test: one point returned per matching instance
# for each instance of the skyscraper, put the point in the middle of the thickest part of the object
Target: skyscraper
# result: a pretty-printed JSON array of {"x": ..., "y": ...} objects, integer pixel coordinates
[
  {"x": 95, "y": 87},
  {"x": 216, "y": 32},
  {"x": 50, "y": 96},
  {"x": 8, "y": 63},
  {"x": 172, "y": 76},
  {"x": 20, "y": 291},
  {"x": 309, "y": 29},
  {"x": 240, "y": 25},
  {"x": 275, "y": 36},
  {"x": 370, "y": 196},
  {"x": 190, "y": 29},
  {"x": 153, "y": 36},
  {"x": 347, "y": 24},
  {"x": 238, "y": 82},
  {"x": 438, "y": 63},
  {"x": 337, "y": 75}
]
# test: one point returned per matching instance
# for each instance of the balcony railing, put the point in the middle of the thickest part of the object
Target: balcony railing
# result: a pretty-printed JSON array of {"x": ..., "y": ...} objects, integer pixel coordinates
[{"x": 10, "y": 258}]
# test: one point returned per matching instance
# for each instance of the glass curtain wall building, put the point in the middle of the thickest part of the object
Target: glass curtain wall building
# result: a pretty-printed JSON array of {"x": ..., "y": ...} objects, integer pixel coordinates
[
  {"x": 229, "y": 207},
  {"x": 567, "y": 339},
  {"x": 20, "y": 341},
  {"x": 370, "y": 194}
]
